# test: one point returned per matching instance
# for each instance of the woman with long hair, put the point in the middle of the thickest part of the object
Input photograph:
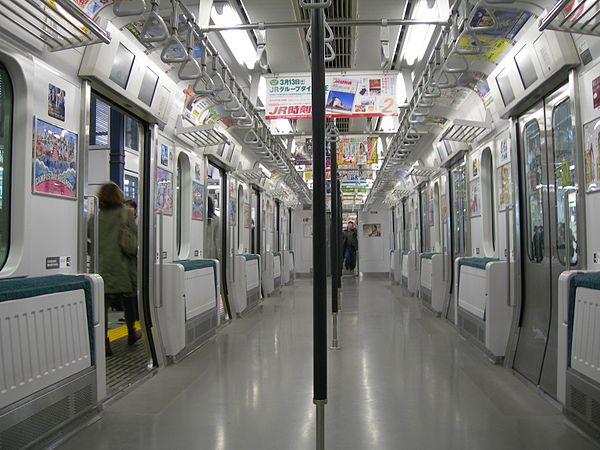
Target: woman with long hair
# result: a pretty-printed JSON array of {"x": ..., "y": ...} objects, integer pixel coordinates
[{"x": 117, "y": 244}]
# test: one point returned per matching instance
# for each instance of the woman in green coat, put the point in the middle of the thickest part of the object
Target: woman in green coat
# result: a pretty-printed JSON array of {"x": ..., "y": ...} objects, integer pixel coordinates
[{"x": 117, "y": 244}]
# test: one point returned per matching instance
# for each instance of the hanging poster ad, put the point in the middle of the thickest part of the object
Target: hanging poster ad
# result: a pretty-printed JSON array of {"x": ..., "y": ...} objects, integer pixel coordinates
[
  {"x": 505, "y": 187},
  {"x": 503, "y": 152},
  {"x": 92, "y": 7},
  {"x": 54, "y": 160},
  {"x": 475, "y": 198},
  {"x": 164, "y": 191},
  {"x": 591, "y": 148},
  {"x": 359, "y": 95},
  {"x": 56, "y": 102},
  {"x": 204, "y": 110},
  {"x": 372, "y": 230},
  {"x": 197, "y": 201},
  {"x": 357, "y": 150}
]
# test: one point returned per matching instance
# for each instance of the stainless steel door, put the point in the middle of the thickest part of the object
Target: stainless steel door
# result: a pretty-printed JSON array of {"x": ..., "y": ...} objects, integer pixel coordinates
[{"x": 548, "y": 207}]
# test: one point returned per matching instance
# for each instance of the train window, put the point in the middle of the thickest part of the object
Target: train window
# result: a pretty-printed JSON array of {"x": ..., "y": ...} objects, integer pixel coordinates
[
  {"x": 534, "y": 192},
  {"x": 100, "y": 124},
  {"x": 132, "y": 134},
  {"x": 6, "y": 112},
  {"x": 488, "y": 204},
  {"x": 564, "y": 175}
]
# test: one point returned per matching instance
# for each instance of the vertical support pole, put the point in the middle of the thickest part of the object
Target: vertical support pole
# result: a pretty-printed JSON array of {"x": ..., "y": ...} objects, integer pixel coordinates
[
  {"x": 84, "y": 140},
  {"x": 335, "y": 243},
  {"x": 319, "y": 227}
]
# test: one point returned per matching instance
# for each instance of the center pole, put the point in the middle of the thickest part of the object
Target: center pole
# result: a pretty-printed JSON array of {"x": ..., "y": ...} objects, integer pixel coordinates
[{"x": 319, "y": 226}]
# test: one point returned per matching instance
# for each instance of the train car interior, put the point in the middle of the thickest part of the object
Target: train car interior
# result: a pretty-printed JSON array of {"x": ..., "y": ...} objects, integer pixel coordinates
[{"x": 340, "y": 224}]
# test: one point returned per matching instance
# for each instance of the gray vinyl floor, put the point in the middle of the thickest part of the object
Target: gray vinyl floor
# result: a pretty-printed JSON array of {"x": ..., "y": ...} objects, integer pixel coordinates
[{"x": 403, "y": 380}]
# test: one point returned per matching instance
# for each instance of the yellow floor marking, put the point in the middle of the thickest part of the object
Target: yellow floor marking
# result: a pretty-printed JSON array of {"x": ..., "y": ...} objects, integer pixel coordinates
[{"x": 120, "y": 332}]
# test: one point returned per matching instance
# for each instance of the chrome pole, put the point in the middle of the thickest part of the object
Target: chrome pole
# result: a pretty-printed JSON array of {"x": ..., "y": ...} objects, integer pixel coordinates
[{"x": 334, "y": 328}]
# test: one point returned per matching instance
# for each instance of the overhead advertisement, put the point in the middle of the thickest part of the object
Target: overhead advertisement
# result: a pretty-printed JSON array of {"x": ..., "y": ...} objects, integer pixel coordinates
[
  {"x": 357, "y": 150},
  {"x": 358, "y": 95}
]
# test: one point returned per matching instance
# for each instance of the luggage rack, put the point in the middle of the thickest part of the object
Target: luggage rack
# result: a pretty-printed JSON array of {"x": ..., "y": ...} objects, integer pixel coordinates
[
  {"x": 573, "y": 16},
  {"x": 465, "y": 131},
  {"x": 200, "y": 135},
  {"x": 59, "y": 24}
]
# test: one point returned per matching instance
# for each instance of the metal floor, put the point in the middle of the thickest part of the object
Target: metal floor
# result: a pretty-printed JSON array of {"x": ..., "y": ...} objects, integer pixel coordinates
[{"x": 403, "y": 380}]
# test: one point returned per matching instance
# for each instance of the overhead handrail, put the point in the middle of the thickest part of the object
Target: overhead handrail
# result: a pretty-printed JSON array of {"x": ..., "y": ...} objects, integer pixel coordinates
[
  {"x": 154, "y": 22},
  {"x": 384, "y": 38},
  {"x": 221, "y": 82},
  {"x": 124, "y": 8},
  {"x": 174, "y": 51},
  {"x": 204, "y": 78},
  {"x": 463, "y": 69},
  {"x": 251, "y": 137},
  {"x": 329, "y": 36},
  {"x": 483, "y": 28},
  {"x": 190, "y": 69},
  {"x": 476, "y": 49}
]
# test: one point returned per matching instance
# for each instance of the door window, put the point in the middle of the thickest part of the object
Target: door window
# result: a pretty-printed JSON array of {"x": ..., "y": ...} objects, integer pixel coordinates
[
  {"x": 534, "y": 191},
  {"x": 564, "y": 176},
  {"x": 6, "y": 113}
]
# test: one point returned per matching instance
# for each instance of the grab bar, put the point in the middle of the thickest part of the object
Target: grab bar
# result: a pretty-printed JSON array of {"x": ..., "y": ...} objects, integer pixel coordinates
[
  {"x": 190, "y": 63},
  {"x": 173, "y": 47},
  {"x": 567, "y": 236},
  {"x": 134, "y": 7},
  {"x": 159, "y": 298},
  {"x": 95, "y": 237},
  {"x": 331, "y": 56},
  {"x": 508, "y": 256}
]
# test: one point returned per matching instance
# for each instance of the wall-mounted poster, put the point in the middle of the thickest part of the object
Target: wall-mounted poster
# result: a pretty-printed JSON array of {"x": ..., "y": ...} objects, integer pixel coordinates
[
  {"x": 165, "y": 155},
  {"x": 56, "y": 102},
  {"x": 372, "y": 230},
  {"x": 475, "y": 165},
  {"x": 444, "y": 208},
  {"x": 503, "y": 152},
  {"x": 591, "y": 148},
  {"x": 198, "y": 172},
  {"x": 197, "y": 201},
  {"x": 247, "y": 216},
  {"x": 232, "y": 204},
  {"x": 54, "y": 160},
  {"x": 475, "y": 198},
  {"x": 164, "y": 191},
  {"x": 505, "y": 188}
]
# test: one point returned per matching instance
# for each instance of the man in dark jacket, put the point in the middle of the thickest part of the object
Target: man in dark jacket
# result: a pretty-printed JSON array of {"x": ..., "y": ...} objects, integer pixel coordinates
[{"x": 350, "y": 246}]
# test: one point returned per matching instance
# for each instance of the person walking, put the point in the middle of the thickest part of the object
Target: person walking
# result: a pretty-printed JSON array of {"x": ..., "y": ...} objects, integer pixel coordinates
[
  {"x": 350, "y": 246},
  {"x": 117, "y": 245}
]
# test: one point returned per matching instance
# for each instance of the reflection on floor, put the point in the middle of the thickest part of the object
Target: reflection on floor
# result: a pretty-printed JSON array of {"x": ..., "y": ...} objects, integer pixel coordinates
[{"x": 402, "y": 380}]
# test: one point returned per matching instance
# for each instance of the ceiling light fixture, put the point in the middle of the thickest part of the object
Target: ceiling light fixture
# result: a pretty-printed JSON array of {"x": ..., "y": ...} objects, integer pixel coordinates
[
  {"x": 418, "y": 36},
  {"x": 238, "y": 41}
]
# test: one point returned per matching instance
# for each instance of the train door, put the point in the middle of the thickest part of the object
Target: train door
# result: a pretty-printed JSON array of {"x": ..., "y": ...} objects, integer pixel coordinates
[
  {"x": 459, "y": 218},
  {"x": 119, "y": 151},
  {"x": 549, "y": 230},
  {"x": 216, "y": 239}
]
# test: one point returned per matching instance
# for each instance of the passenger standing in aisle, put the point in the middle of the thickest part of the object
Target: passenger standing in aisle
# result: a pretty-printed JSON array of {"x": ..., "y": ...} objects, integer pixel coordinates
[
  {"x": 350, "y": 246},
  {"x": 133, "y": 272},
  {"x": 117, "y": 244},
  {"x": 213, "y": 233}
]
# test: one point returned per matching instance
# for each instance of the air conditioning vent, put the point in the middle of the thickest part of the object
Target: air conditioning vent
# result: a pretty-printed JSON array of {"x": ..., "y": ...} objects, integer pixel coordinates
[{"x": 343, "y": 43}]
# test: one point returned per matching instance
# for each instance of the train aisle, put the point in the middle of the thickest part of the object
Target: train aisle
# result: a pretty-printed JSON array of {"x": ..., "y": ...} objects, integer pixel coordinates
[{"x": 404, "y": 380}]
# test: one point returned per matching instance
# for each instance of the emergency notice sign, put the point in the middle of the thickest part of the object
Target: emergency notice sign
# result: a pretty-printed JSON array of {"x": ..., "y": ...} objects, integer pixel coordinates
[{"x": 360, "y": 95}]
